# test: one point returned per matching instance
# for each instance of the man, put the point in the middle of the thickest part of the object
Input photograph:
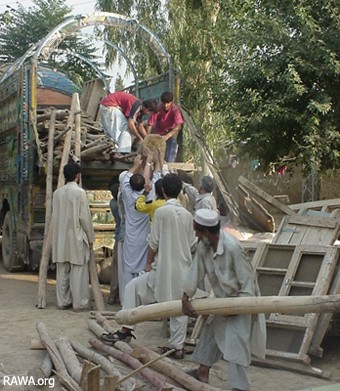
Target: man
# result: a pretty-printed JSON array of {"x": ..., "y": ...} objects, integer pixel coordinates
[
  {"x": 167, "y": 122},
  {"x": 73, "y": 236},
  {"x": 171, "y": 244},
  {"x": 222, "y": 259},
  {"x": 121, "y": 116},
  {"x": 137, "y": 225},
  {"x": 114, "y": 284},
  {"x": 150, "y": 206},
  {"x": 203, "y": 197}
]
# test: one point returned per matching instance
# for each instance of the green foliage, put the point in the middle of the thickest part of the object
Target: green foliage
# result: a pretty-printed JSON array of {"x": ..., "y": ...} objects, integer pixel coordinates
[
  {"x": 21, "y": 28},
  {"x": 119, "y": 83},
  {"x": 278, "y": 79},
  {"x": 262, "y": 74},
  {"x": 148, "y": 13}
]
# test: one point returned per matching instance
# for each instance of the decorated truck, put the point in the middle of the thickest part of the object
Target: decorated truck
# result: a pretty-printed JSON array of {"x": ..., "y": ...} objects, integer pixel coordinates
[{"x": 30, "y": 92}]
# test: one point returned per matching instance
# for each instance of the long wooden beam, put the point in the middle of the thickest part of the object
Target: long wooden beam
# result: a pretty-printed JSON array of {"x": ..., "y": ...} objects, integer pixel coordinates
[{"x": 233, "y": 306}]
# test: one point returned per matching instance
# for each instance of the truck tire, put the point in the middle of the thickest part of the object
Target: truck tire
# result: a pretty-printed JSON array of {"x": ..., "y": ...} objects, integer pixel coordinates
[{"x": 10, "y": 258}]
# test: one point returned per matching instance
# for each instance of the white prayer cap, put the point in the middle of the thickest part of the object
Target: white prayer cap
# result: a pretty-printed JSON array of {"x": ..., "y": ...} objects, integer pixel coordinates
[
  {"x": 122, "y": 175},
  {"x": 207, "y": 217}
]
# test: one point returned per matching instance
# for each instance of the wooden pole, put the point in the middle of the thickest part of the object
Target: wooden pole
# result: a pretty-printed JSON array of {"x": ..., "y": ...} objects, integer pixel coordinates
[
  {"x": 97, "y": 293},
  {"x": 233, "y": 306},
  {"x": 58, "y": 362},
  {"x": 131, "y": 361},
  {"x": 48, "y": 215},
  {"x": 70, "y": 359},
  {"x": 171, "y": 369},
  {"x": 104, "y": 363}
]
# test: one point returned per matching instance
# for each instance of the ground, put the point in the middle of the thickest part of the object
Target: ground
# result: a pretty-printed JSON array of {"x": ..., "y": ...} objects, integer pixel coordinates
[{"x": 18, "y": 314}]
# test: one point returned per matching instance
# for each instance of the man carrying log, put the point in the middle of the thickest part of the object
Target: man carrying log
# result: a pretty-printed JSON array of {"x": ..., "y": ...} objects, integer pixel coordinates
[
  {"x": 223, "y": 260},
  {"x": 171, "y": 244},
  {"x": 73, "y": 236}
]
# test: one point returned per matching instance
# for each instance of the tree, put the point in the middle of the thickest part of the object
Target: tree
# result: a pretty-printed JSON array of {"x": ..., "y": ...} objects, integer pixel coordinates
[
  {"x": 119, "y": 83},
  {"x": 261, "y": 74},
  {"x": 21, "y": 28},
  {"x": 278, "y": 80}
]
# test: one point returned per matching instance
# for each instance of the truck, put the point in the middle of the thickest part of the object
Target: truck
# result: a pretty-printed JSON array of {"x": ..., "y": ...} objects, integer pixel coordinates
[{"x": 29, "y": 91}]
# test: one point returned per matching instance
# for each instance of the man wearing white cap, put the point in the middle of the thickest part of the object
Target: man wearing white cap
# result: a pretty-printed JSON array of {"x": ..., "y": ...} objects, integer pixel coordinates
[{"x": 223, "y": 260}]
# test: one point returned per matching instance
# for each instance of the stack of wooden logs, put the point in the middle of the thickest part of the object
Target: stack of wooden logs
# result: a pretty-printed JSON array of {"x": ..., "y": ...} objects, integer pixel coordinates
[
  {"x": 103, "y": 367},
  {"x": 93, "y": 142}
]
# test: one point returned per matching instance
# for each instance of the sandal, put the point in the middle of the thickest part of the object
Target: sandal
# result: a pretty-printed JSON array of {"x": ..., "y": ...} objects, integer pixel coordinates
[
  {"x": 118, "y": 336},
  {"x": 178, "y": 354}
]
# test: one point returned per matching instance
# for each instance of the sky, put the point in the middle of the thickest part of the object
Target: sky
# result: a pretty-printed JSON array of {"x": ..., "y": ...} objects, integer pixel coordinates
[{"x": 78, "y": 7}]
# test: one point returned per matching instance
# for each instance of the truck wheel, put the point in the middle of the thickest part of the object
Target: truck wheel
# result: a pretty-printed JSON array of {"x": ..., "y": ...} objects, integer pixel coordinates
[{"x": 9, "y": 246}]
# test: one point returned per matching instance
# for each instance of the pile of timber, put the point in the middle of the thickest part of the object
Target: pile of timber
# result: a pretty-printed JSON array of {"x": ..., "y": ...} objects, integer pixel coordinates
[
  {"x": 94, "y": 144},
  {"x": 103, "y": 367}
]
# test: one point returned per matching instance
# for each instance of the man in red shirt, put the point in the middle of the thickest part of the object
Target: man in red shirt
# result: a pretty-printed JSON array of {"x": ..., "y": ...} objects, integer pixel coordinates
[
  {"x": 121, "y": 116},
  {"x": 167, "y": 122}
]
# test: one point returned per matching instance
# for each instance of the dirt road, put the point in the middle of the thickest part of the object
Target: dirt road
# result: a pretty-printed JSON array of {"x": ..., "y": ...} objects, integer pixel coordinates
[{"x": 18, "y": 317}]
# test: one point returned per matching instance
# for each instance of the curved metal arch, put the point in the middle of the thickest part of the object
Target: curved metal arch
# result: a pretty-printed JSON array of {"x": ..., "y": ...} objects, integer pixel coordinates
[
  {"x": 76, "y": 23},
  {"x": 46, "y": 46},
  {"x": 101, "y": 74}
]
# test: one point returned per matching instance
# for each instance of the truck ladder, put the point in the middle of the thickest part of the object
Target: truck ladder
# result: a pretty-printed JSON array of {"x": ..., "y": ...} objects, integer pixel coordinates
[{"x": 222, "y": 185}]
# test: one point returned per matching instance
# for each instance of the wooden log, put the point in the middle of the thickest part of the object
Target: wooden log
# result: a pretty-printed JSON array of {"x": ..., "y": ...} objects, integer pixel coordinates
[
  {"x": 36, "y": 344},
  {"x": 171, "y": 369},
  {"x": 99, "y": 359},
  {"x": 61, "y": 134},
  {"x": 60, "y": 114},
  {"x": 98, "y": 331},
  {"x": 70, "y": 359},
  {"x": 234, "y": 306},
  {"x": 129, "y": 360},
  {"x": 67, "y": 142},
  {"x": 99, "y": 140},
  {"x": 44, "y": 370},
  {"x": 105, "y": 323},
  {"x": 93, "y": 150},
  {"x": 97, "y": 293},
  {"x": 51, "y": 347},
  {"x": 303, "y": 369},
  {"x": 156, "y": 378},
  {"x": 47, "y": 245},
  {"x": 77, "y": 128}
]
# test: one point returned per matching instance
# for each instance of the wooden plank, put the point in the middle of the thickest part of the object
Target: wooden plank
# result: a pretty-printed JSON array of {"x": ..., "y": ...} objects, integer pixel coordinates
[
  {"x": 253, "y": 213},
  {"x": 299, "y": 229},
  {"x": 331, "y": 203},
  {"x": 322, "y": 222},
  {"x": 93, "y": 379},
  {"x": 324, "y": 319},
  {"x": 267, "y": 197}
]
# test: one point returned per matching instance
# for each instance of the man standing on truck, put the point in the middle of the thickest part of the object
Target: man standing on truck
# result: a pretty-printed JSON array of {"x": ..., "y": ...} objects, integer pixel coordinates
[
  {"x": 167, "y": 122},
  {"x": 73, "y": 236},
  {"x": 121, "y": 116}
]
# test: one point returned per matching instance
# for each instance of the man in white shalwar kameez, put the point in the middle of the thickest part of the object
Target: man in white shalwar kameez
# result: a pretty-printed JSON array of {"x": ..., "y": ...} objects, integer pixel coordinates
[
  {"x": 172, "y": 242},
  {"x": 137, "y": 224},
  {"x": 72, "y": 239},
  {"x": 222, "y": 259}
]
